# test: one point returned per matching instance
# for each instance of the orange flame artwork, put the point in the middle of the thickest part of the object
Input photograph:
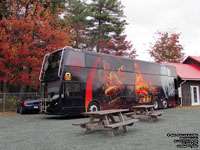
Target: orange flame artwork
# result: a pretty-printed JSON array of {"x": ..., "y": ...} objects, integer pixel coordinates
[
  {"x": 112, "y": 82},
  {"x": 143, "y": 91}
]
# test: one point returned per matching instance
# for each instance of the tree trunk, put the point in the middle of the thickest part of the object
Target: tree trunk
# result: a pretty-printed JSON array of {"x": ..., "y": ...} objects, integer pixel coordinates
[
  {"x": 21, "y": 89},
  {"x": 5, "y": 87},
  {"x": 1, "y": 88}
]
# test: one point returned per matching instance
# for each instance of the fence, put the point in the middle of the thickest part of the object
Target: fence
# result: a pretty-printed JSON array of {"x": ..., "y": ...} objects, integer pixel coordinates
[{"x": 8, "y": 101}]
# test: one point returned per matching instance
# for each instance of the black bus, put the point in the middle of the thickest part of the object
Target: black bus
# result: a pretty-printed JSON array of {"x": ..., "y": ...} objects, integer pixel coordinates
[{"x": 75, "y": 81}]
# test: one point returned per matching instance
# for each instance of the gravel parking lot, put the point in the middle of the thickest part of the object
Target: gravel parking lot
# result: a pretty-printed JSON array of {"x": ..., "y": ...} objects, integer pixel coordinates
[{"x": 40, "y": 132}]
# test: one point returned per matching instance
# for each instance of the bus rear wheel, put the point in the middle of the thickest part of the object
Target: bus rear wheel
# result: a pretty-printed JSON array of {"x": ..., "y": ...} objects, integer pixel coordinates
[
  {"x": 155, "y": 103},
  {"x": 165, "y": 104},
  {"x": 93, "y": 106}
]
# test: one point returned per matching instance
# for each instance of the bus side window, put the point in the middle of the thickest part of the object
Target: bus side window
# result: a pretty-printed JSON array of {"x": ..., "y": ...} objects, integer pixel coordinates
[
  {"x": 128, "y": 91},
  {"x": 112, "y": 62},
  {"x": 72, "y": 89},
  {"x": 91, "y": 59},
  {"x": 128, "y": 65},
  {"x": 77, "y": 89}
]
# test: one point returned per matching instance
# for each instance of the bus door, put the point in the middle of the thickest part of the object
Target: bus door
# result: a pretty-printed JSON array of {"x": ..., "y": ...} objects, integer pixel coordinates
[{"x": 73, "y": 94}]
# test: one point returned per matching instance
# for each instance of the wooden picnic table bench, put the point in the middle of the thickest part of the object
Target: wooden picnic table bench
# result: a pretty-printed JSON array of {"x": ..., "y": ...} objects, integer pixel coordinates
[
  {"x": 83, "y": 124},
  {"x": 124, "y": 123},
  {"x": 156, "y": 114},
  {"x": 106, "y": 120},
  {"x": 143, "y": 111}
]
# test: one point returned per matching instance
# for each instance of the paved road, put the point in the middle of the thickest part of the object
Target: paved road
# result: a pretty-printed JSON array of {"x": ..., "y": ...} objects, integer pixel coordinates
[{"x": 40, "y": 132}]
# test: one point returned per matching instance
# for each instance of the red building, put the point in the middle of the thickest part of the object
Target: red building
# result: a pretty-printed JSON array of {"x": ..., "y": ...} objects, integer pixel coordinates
[{"x": 188, "y": 80}]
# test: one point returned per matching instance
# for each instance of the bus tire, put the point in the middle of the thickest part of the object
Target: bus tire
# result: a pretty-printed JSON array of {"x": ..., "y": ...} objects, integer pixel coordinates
[
  {"x": 93, "y": 106},
  {"x": 165, "y": 104},
  {"x": 156, "y": 105}
]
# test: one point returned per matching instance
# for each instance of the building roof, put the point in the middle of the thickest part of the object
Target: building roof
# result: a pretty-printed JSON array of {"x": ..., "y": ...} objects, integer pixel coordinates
[
  {"x": 186, "y": 71},
  {"x": 192, "y": 57}
]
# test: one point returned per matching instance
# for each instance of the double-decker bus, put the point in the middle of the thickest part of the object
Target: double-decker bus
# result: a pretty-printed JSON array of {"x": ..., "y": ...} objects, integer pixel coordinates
[{"x": 75, "y": 81}]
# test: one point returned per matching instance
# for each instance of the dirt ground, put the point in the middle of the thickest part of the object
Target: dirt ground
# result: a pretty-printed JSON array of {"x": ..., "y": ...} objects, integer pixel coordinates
[
  {"x": 178, "y": 107},
  {"x": 42, "y": 132},
  {"x": 8, "y": 113}
]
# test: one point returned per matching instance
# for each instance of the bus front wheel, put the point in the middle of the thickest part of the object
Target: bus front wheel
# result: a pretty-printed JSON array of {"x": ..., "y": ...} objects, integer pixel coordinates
[{"x": 93, "y": 106}]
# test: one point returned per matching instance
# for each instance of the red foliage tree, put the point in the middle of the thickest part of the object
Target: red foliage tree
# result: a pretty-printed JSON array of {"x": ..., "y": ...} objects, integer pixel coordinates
[
  {"x": 167, "y": 48},
  {"x": 25, "y": 37},
  {"x": 118, "y": 47}
]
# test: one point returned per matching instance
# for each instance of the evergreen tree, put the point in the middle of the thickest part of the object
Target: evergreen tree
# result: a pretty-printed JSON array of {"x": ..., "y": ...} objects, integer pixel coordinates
[
  {"x": 76, "y": 14},
  {"x": 98, "y": 24},
  {"x": 57, "y": 6},
  {"x": 107, "y": 21}
]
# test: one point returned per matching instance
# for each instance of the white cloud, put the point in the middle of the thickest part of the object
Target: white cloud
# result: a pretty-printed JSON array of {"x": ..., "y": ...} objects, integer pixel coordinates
[{"x": 146, "y": 17}]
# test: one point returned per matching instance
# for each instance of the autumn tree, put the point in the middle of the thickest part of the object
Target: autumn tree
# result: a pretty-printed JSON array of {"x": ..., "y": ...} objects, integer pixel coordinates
[
  {"x": 25, "y": 37},
  {"x": 167, "y": 48},
  {"x": 118, "y": 47}
]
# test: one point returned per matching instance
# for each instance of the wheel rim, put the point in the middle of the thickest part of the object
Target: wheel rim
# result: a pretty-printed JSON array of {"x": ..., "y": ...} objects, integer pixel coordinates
[
  {"x": 164, "y": 104},
  {"x": 93, "y": 108},
  {"x": 155, "y": 104}
]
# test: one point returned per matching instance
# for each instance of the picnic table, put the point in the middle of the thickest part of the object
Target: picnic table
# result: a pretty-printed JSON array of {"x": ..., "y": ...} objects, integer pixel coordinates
[
  {"x": 106, "y": 120},
  {"x": 143, "y": 111}
]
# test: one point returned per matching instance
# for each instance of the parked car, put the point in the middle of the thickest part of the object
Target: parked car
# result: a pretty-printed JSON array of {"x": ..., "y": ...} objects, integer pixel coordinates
[{"x": 28, "y": 105}]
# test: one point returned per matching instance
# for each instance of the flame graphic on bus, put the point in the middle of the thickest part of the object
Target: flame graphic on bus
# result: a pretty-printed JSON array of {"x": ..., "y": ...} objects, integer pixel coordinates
[
  {"x": 142, "y": 89},
  {"x": 112, "y": 82}
]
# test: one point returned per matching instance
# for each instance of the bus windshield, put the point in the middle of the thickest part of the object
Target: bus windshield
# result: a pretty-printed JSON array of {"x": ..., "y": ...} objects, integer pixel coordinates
[{"x": 51, "y": 64}]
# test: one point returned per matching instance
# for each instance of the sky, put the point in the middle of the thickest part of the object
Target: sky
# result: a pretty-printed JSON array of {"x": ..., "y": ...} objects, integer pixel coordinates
[{"x": 146, "y": 17}]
